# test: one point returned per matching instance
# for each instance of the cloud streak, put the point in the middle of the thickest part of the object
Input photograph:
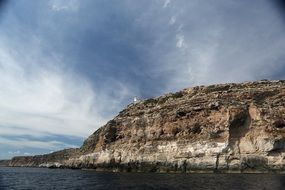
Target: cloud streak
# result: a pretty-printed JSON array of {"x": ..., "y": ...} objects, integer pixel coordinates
[
  {"x": 225, "y": 41},
  {"x": 62, "y": 5},
  {"x": 52, "y": 101},
  {"x": 42, "y": 96},
  {"x": 24, "y": 143}
]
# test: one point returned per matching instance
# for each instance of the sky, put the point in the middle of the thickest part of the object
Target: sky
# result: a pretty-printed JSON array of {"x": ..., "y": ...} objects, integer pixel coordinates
[{"x": 69, "y": 66}]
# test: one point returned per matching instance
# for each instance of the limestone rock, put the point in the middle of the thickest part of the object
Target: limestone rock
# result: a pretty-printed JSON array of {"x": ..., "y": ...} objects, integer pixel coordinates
[{"x": 217, "y": 128}]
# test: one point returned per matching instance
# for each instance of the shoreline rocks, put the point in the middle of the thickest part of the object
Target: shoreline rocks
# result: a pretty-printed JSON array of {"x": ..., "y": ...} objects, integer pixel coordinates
[{"x": 218, "y": 128}]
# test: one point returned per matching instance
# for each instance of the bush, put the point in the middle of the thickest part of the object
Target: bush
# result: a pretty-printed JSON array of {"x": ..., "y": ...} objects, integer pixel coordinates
[
  {"x": 216, "y": 88},
  {"x": 177, "y": 95},
  {"x": 151, "y": 101}
]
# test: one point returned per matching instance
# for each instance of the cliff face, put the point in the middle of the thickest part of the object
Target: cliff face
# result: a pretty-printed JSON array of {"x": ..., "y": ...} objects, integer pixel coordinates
[
  {"x": 222, "y": 128},
  {"x": 51, "y": 160},
  {"x": 4, "y": 163}
]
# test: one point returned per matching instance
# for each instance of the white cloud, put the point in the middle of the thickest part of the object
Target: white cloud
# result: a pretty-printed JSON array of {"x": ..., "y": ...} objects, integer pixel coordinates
[
  {"x": 41, "y": 96},
  {"x": 172, "y": 20},
  {"x": 63, "y": 5},
  {"x": 39, "y": 100},
  {"x": 14, "y": 152},
  {"x": 45, "y": 100},
  {"x": 166, "y": 3},
  {"x": 214, "y": 44},
  {"x": 25, "y": 143},
  {"x": 180, "y": 43}
]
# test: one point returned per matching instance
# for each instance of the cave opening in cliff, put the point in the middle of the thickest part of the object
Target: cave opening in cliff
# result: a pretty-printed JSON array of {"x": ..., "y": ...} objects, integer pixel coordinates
[{"x": 238, "y": 127}]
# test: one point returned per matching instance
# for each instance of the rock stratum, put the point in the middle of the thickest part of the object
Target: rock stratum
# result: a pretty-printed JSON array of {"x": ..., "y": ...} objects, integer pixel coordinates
[{"x": 217, "y": 128}]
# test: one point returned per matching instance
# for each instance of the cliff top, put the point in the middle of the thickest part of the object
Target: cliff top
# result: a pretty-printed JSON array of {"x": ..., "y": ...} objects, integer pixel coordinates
[{"x": 198, "y": 103}]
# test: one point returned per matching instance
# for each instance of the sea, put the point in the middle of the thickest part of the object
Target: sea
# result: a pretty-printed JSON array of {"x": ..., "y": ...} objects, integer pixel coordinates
[{"x": 42, "y": 179}]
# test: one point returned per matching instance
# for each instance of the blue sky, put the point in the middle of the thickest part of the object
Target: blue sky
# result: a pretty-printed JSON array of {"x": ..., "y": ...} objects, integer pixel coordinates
[{"x": 69, "y": 66}]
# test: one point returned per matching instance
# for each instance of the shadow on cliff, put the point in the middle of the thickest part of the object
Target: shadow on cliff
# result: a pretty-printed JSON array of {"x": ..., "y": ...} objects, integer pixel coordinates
[{"x": 238, "y": 128}]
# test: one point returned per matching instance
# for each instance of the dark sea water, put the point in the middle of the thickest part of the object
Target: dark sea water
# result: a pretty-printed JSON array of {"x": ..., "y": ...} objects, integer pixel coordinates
[{"x": 37, "y": 178}]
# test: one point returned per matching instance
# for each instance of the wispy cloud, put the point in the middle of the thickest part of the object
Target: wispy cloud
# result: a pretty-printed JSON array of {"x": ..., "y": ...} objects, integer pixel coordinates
[
  {"x": 180, "y": 41},
  {"x": 25, "y": 143},
  {"x": 172, "y": 20},
  {"x": 166, "y": 3},
  {"x": 14, "y": 152},
  {"x": 43, "y": 96},
  {"x": 211, "y": 43},
  {"x": 45, "y": 100},
  {"x": 63, "y": 5}
]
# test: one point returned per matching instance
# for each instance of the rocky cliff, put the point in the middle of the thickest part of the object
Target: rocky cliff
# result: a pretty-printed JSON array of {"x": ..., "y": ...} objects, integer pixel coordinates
[
  {"x": 4, "y": 163},
  {"x": 52, "y": 160},
  {"x": 217, "y": 128}
]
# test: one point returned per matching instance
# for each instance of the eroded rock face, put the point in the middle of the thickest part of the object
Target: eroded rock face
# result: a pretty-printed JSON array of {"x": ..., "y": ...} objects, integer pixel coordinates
[
  {"x": 217, "y": 128},
  {"x": 52, "y": 160},
  {"x": 4, "y": 163}
]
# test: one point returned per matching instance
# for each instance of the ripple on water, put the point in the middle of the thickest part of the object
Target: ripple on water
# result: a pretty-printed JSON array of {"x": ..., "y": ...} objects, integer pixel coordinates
[{"x": 41, "y": 178}]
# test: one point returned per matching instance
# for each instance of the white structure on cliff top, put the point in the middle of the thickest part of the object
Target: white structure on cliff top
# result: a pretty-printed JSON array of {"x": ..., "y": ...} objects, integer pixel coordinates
[{"x": 136, "y": 100}]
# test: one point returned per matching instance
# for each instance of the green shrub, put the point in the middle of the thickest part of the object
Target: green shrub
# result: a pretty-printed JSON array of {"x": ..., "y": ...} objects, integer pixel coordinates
[
  {"x": 215, "y": 88},
  {"x": 177, "y": 95},
  {"x": 150, "y": 101}
]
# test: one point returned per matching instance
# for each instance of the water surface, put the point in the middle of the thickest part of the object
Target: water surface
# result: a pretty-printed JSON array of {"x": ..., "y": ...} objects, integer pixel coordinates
[{"x": 41, "y": 178}]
